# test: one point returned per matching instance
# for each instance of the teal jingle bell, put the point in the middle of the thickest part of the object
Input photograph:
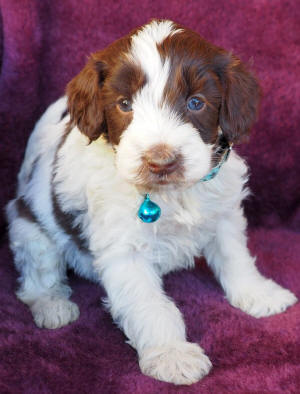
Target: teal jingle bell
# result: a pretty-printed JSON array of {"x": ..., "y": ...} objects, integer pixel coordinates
[{"x": 149, "y": 212}]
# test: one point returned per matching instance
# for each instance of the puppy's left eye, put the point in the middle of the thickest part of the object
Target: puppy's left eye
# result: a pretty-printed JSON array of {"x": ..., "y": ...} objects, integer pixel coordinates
[
  {"x": 125, "y": 105},
  {"x": 195, "y": 103}
]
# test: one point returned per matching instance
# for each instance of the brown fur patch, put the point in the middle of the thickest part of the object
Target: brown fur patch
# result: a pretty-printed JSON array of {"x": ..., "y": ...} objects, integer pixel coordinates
[
  {"x": 66, "y": 222},
  {"x": 126, "y": 80},
  {"x": 229, "y": 91},
  {"x": 33, "y": 168},
  {"x": 24, "y": 210},
  {"x": 66, "y": 219},
  {"x": 93, "y": 94}
]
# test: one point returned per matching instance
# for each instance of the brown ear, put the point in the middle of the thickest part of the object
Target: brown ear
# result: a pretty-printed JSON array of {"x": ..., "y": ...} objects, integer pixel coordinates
[
  {"x": 240, "y": 99},
  {"x": 84, "y": 99}
]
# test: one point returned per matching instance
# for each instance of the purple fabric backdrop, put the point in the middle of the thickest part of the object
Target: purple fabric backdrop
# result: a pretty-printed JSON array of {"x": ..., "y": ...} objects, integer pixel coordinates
[{"x": 42, "y": 45}]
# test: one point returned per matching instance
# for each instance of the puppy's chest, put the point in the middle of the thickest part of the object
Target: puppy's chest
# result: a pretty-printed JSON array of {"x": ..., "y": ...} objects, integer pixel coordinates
[
  {"x": 172, "y": 245},
  {"x": 177, "y": 237}
]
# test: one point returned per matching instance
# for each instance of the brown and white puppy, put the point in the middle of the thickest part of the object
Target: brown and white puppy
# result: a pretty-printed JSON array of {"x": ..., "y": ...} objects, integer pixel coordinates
[{"x": 145, "y": 116}]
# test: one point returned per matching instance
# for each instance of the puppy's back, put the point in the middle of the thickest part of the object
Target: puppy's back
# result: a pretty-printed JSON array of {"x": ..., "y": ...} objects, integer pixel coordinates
[{"x": 42, "y": 142}]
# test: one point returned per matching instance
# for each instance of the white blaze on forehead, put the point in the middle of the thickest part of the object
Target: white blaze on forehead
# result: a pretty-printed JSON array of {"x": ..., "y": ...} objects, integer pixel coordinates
[
  {"x": 144, "y": 52},
  {"x": 155, "y": 122}
]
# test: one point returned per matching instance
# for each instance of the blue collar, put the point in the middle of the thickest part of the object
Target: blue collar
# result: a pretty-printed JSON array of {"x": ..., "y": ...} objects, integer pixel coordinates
[{"x": 224, "y": 152}]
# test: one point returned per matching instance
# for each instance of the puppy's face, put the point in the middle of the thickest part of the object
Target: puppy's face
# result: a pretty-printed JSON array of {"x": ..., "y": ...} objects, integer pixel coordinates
[{"x": 159, "y": 96}]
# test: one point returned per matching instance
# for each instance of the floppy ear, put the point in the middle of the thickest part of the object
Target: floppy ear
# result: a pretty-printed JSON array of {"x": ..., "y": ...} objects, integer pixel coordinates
[
  {"x": 84, "y": 99},
  {"x": 240, "y": 99}
]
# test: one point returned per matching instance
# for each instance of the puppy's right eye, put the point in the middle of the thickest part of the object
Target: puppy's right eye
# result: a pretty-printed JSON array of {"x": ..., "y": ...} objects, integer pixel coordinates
[{"x": 125, "y": 105}]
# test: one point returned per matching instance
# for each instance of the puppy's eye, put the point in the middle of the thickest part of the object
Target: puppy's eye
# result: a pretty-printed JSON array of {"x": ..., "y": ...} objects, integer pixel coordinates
[
  {"x": 195, "y": 103},
  {"x": 125, "y": 105}
]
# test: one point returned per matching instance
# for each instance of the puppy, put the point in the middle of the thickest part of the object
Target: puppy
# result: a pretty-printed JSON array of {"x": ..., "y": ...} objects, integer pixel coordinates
[{"x": 129, "y": 177}]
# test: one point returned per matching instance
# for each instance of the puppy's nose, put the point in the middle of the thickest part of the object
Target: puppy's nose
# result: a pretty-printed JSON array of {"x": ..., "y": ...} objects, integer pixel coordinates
[
  {"x": 161, "y": 160},
  {"x": 163, "y": 169}
]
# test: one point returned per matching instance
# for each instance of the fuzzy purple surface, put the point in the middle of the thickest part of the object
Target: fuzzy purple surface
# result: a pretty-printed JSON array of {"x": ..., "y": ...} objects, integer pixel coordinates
[{"x": 42, "y": 45}]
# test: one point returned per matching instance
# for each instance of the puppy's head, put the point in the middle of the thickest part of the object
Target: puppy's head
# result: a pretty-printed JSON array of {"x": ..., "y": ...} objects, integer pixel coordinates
[{"x": 159, "y": 96}]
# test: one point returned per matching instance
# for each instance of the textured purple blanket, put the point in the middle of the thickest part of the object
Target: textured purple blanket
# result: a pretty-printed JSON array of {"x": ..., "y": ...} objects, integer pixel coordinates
[{"x": 42, "y": 45}]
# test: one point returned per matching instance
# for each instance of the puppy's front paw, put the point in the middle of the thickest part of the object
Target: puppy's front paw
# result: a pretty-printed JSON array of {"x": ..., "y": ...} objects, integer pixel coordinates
[
  {"x": 54, "y": 312},
  {"x": 178, "y": 363},
  {"x": 263, "y": 298}
]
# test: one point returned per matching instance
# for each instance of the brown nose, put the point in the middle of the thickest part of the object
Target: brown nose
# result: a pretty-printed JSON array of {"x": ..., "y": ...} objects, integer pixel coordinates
[
  {"x": 164, "y": 169},
  {"x": 161, "y": 160}
]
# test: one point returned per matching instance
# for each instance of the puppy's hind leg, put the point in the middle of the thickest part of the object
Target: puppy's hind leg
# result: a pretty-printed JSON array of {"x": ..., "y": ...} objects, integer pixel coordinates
[{"x": 42, "y": 272}]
